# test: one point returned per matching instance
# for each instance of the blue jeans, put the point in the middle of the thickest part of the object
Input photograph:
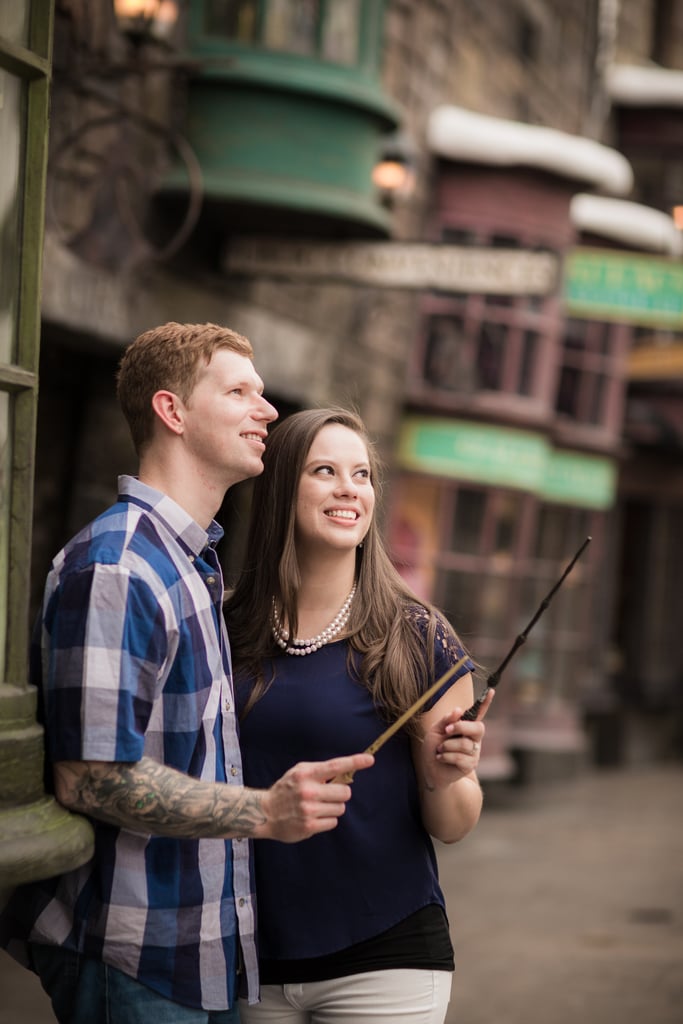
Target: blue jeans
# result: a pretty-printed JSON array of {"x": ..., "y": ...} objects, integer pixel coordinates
[{"x": 85, "y": 991}]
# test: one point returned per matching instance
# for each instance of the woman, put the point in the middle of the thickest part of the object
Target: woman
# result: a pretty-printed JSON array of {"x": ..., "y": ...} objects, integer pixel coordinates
[{"x": 352, "y": 922}]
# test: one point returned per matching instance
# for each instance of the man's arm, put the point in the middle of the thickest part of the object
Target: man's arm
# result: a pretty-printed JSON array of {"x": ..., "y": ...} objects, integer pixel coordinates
[{"x": 145, "y": 796}]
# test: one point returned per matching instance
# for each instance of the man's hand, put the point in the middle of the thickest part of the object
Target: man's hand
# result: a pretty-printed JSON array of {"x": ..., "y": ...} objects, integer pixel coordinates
[
  {"x": 305, "y": 801},
  {"x": 151, "y": 798}
]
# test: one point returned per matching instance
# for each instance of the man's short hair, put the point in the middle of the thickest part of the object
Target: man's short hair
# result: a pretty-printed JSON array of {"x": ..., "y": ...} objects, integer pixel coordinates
[{"x": 170, "y": 357}]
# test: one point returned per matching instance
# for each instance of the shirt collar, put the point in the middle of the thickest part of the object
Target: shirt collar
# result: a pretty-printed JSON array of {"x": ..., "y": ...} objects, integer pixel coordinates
[{"x": 180, "y": 523}]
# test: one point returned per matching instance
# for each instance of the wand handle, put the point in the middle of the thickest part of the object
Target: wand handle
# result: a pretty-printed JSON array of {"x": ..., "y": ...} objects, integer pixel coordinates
[{"x": 471, "y": 713}]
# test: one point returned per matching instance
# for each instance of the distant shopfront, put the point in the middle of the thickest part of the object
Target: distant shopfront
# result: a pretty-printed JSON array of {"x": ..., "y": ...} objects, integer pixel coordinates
[{"x": 484, "y": 516}]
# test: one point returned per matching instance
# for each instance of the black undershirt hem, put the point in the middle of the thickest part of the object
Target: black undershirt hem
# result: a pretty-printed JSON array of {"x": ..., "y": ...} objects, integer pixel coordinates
[{"x": 419, "y": 942}]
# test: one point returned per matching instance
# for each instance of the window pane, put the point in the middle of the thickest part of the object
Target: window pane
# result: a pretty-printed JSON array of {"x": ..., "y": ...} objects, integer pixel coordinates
[
  {"x": 5, "y": 467},
  {"x": 553, "y": 527},
  {"x": 14, "y": 21},
  {"x": 236, "y": 19},
  {"x": 341, "y": 31},
  {"x": 508, "y": 516},
  {"x": 494, "y": 606},
  {"x": 468, "y": 521},
  {"x": 459, "y": 599},
  {"x": 292, "y": 25},
  {"x": 568, "y": 391},
  {"x": 526, "y": 369},
  {"x": 446, "y": 365},
  {"x": 490, "y": 351},
  {"x": 596, "y": 411},
  {"x": 11, "y": 108}
]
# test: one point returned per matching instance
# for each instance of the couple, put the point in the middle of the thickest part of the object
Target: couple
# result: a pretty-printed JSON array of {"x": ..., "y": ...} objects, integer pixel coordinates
[{"x": 141, "y": 695}]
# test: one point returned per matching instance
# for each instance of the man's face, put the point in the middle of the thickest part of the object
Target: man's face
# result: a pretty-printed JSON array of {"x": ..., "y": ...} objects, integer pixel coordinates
[{"x": 226, "y": 420}]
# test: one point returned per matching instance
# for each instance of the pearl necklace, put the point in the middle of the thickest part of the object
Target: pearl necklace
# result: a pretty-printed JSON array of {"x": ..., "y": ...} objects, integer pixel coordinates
[{"x": 301, "y": 647}]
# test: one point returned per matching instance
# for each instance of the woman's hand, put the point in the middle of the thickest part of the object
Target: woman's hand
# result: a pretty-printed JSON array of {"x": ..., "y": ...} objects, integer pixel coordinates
[
  {"x": 451, "y": 746},
  {"x": 446, "y": 757}
]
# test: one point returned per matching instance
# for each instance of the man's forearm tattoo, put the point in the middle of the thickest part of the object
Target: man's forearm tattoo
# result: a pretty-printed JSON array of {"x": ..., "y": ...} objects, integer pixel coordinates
[{"x": 149, "y": 797}]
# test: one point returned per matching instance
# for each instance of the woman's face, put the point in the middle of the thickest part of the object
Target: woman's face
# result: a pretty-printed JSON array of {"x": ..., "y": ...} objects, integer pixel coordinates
[{"x": 336, "y": 498}]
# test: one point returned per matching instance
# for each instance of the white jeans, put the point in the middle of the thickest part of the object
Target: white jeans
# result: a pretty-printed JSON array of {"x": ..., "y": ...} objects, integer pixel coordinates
[{"x": 407, "y": 996}]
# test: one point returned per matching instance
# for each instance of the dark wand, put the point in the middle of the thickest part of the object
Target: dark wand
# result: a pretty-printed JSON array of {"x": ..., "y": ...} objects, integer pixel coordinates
[{"x": 493, "y": 680}]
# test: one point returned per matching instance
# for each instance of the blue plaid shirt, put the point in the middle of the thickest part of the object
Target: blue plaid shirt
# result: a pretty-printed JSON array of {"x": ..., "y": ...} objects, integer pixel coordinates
[{"x": 135, "y": 662}]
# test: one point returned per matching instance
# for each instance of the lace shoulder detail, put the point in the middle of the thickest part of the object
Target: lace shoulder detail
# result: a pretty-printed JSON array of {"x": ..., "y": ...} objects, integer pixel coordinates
[{"x": 446, "y": 644}]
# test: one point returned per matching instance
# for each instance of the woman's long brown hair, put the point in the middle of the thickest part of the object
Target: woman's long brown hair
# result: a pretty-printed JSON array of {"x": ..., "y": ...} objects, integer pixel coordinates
[{"x": 396, "y": 661}]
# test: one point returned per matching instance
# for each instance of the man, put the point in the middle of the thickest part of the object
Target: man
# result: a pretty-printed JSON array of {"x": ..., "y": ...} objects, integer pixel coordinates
[{"x": 139, "y": 714}]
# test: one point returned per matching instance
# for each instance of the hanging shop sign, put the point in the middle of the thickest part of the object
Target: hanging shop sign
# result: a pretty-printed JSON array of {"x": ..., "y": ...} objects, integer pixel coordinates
[
  {"x": 635, "y": 289},
  {"x": 415, "y": 265},
  {"x": 502, "y": 457}
]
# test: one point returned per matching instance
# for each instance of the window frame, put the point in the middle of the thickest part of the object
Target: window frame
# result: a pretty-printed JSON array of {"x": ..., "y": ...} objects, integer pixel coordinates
[
  {"x": 518, "y": 316},
  {"x": 369, "y": 33},
  {"x": 19, "y": 377},
  {"x": 600, "y": 358}
]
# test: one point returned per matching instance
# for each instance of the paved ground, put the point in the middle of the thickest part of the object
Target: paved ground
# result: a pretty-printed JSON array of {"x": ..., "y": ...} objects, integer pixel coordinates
[{"x": 566, "y": 905}]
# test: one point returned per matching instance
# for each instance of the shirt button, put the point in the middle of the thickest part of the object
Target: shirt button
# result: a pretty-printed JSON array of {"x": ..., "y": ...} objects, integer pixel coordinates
[
  {"x": 233, "y": 770},
  {"x": 227, "y": 706},
  {"x": 210, "y": 579},
  {"x": 242, "y": 901}
]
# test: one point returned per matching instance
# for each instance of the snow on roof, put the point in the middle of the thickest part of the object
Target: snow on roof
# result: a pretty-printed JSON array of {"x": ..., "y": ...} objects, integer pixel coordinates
[
  {"x": 632, "y": 224},
  {"x": 459, "y": 134},
  {"x": 645, "y": 86}
]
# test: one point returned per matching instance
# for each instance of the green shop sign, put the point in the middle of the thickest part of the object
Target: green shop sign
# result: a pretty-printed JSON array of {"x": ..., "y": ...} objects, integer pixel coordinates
[
  {"x": 619, "y": 286},
  {"x": 506, "y": 458}
]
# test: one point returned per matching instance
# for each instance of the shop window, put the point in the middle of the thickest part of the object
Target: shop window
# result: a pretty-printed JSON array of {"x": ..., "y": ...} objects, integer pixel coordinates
[
  {"x": 446, "y": 362},
  {"x": 588, "y": 372},
  {"x": 528, "y": 358},
  {"x": 234, "y": 19},
  {"x": 468, "y": 521},
  {"x": 484, "y": 343},
  {"x": 325, "y": 29},
  {"x": 496, "y": 554},
  {"x": 560, "y": 532},
  {"x": 560, "y": 529},
  {"x": 490, "y": 349},
  {"x": 459, "y": 597},
  {"x": 485, "y": 522},
  {"x": 477, "y": 581}
]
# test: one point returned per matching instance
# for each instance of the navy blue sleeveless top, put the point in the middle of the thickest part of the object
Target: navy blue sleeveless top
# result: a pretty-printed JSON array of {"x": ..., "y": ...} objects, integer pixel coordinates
[{"x": 378, "y": 865}]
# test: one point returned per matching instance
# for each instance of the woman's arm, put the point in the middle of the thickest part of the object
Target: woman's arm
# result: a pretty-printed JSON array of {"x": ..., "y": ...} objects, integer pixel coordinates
[{"x": 446, "y": 755}]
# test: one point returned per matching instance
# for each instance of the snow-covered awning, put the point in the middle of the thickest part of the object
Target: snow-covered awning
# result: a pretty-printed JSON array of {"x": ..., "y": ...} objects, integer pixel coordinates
[
  {"x": 631, "y": 85},
  {"x": 631, "y": 224},
  {"x": 461, "y": 135}
]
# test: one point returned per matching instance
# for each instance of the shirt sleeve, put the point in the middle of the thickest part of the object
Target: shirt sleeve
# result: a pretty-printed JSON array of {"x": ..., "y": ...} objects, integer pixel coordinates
[
  {"x": 447, "y": 652},
  {"x": 104, "y": 642}
]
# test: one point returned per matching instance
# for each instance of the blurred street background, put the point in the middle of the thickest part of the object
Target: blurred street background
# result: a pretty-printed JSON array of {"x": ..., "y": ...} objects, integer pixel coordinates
[{"x": 566, "y": 904}]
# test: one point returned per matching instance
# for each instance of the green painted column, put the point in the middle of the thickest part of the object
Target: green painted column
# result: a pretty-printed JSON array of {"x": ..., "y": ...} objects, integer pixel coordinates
[{"x": 38, "y": 838}]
